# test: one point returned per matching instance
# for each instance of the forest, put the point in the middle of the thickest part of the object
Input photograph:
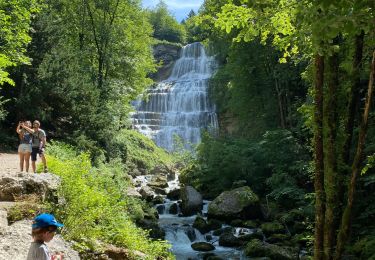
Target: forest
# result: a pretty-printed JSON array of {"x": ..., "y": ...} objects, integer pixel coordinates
[{"x": 292, "y": 89}]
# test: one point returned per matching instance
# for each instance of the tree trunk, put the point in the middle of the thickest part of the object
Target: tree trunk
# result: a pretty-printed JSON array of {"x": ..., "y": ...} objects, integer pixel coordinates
[
  {"x": 280, "y": 103},
  {"x": 346, "y": 217},
  {"x": 330, "y": 157},
  {"x": 353, "y": 97},
  {"x": 318, "y": 158}
]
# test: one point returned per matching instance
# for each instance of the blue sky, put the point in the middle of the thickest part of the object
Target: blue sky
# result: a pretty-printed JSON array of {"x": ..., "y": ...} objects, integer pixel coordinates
[{"x": 179, "y": 8}]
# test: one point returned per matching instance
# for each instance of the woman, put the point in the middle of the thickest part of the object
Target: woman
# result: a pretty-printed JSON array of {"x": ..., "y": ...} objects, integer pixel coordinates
[{"x": 24, "y": 149}]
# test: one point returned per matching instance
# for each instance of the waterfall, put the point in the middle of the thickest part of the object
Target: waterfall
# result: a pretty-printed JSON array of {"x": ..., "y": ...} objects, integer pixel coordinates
[{"x": 179, "y": 106}]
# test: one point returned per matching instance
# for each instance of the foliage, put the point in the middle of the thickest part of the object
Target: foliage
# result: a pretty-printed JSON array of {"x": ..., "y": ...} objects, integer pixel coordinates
[
  {"x": 137, "y": 152},
  {"x": 24, "y": 210},
  {"x": 15, "y": 18},
  {"x": 165, "y": 25},
  {"x": 254, "y": 88},
  {"x": 97, "y": 204},
  {"x": 277, "y": 160}
]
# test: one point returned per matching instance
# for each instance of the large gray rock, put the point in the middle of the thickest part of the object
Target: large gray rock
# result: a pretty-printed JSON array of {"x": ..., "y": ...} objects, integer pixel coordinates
[
  {"x": 240, "y": 203},
  {"x": 192, "y": 201},
  {"x": 43, "y": 186}
]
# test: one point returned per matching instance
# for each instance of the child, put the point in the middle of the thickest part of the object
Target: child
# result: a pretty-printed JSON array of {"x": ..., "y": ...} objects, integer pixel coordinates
[{"x": 43, "y": 230}]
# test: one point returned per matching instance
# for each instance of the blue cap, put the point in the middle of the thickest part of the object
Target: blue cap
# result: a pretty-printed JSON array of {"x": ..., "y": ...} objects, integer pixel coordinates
[{"x": 45, "y": 220}]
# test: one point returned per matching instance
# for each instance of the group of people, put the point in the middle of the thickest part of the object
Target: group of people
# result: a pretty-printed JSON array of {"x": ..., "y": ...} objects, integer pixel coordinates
[
  {"x": 32, "y": 142},
  {"x": 44, "y": 227}
]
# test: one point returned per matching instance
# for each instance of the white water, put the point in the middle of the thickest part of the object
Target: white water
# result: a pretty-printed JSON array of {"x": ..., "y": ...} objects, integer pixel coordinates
[{"x": 179, "y": 105}]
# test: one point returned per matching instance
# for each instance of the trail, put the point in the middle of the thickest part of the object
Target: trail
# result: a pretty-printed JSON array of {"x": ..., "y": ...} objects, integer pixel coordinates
[{"x": 9, "y": 164}]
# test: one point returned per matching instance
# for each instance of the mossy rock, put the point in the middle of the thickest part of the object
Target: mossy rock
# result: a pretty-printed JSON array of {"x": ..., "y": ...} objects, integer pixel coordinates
[
  {"x": 270, "y": 228},
  {"x": 255, "y": 235},
  {"x": 229, "y": 240},
  {"x": 201, "y": 224},
  {"x": 240, "y": 203},
  {"x": 220, "y": 231},
  {"x": 202, "y": 246},
  {"x": 257, "y": 248},
  {"x": 214, "y": 224}
]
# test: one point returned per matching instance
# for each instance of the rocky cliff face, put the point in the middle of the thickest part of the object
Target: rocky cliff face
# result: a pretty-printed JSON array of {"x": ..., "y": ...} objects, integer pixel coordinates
[{"x": 166, "y": 55}]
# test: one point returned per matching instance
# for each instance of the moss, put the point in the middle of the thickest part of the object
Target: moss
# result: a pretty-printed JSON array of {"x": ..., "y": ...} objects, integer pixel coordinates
[{"x": 272, "y": 228}]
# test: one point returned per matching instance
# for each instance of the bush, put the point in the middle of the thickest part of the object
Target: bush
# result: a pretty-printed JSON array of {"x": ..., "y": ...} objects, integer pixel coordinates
[{"x": 96, "y": 206}]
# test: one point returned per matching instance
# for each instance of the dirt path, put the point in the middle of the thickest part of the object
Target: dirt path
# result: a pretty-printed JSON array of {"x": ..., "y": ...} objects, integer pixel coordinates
[{"x": 9, "y": 163}]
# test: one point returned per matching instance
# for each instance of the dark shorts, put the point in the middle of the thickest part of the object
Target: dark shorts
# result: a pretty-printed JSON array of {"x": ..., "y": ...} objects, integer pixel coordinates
[{"x": 36, "y": 151}]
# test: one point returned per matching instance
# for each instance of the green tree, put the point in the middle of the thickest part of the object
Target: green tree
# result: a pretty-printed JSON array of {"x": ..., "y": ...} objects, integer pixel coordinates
[
  {"x": 318, "y": 30},
  {"x": 15, "y": 19},
  {"x": 165, "y": 25}
]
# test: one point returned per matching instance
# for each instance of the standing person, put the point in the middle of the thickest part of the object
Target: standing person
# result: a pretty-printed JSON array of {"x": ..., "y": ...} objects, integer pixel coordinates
[
  {"x": 24, "y": 149},
  {"x": 38, "y": 145},
  {"x": 44, "y": 228}
]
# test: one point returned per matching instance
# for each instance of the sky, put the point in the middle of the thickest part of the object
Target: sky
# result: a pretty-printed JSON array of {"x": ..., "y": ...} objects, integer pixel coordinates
[{"x": 179, "y": 8}]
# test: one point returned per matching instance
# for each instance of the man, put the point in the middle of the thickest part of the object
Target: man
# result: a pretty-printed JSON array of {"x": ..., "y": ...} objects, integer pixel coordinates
[{"x": 38, "y": 145}]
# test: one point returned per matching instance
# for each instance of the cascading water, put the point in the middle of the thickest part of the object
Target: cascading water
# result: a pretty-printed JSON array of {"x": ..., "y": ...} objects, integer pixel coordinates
[{"x": 179, "y": 105}]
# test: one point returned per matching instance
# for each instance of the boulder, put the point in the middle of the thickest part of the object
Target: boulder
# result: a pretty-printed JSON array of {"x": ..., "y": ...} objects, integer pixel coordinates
[
  {"x": 191, "y": 201},
  {"x": 240, "y": 203},
  {"x": 256, "y": 248},
  {"x": 173, "y": 209},
  {"x": 158, "y": 200},
  {"x": 132, "y": 192},
  {"x": 228, "y": 239},
  {"x": 43, "y": 186},
  {"x": 156, "y": 232},
  {"x": 201, "y": 224},
  {"x": 174, "y": 194},
  {"x": 270, "y": 228},
  {"x": 218, "y": 232},
  {"x": 158, "y": 181},
  {"x": 118, "y": 253},
  {"x": 255, "y": 235},
  {"x": 147, "y": 193},
  {"x": 202, "y": 246},
  {"x": 214, "y": 224},
  {"x": 165, "y": 171}
]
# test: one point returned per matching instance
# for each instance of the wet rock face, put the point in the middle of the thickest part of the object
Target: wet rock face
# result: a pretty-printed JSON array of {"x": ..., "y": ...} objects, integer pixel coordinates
[
  {"x": 192, "y": 201},
  {"x": 240, "y": 203},
  {"x": 43, "y": 185},
  {"x": 167, "y": 54}
]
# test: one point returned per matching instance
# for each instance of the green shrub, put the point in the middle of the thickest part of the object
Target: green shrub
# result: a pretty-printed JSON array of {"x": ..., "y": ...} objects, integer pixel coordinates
[{"x": 96, "y": 206}]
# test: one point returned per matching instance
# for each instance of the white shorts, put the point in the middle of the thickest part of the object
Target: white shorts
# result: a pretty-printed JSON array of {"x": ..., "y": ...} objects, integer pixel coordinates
[{"x": 24, "y": 148}]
